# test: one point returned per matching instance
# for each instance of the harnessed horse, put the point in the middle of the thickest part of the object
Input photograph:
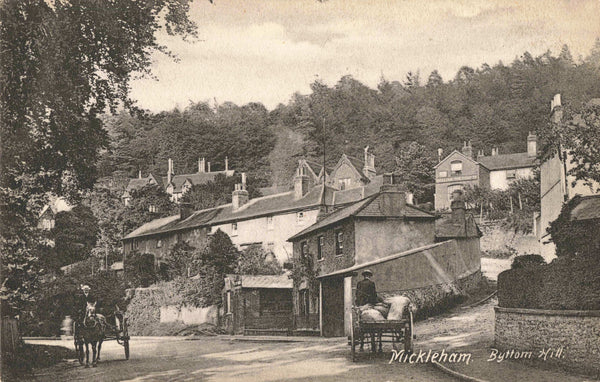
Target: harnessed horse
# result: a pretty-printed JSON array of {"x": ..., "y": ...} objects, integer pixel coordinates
[{"x": 91, "y": 330}]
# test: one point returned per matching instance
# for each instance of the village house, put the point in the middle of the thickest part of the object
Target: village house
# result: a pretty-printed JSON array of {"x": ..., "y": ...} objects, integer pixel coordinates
[
  {"x": 496, "y": 171},
  {"x": 176, "y": 185},
  {"x": 403, "y": 246},
  {"x": 257, "y": 304},
  {"x": 557, "y": 186},
  {"x": 269, "y": 220}
]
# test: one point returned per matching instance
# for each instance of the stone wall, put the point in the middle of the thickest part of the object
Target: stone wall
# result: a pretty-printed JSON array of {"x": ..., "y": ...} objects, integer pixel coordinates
[
  {"x": 189, "y": 315},
  {"x": 497, "y": 238},
  {"x": 576, "y": 332}
]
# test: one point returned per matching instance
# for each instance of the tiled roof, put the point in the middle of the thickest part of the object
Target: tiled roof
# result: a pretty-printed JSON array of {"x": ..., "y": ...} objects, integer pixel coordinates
[
  {"x": 446, "y": 227},
  {"x": 136, "y": 183},
  {"x": 173, "y": 223},
  {"x": 266, "y": 191},
  {"x": 507, "y": 161},
  {"x": 353, "y": 194},
  {"x": 263, "y": 281},
  {"x": 370, "y": 207},
  {"x": 588, "y": 208},
  {"x": 195, "y": 178}
]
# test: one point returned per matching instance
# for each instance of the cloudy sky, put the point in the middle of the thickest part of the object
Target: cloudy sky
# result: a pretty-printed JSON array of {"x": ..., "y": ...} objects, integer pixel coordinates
[{"x": 264, "y": 51}]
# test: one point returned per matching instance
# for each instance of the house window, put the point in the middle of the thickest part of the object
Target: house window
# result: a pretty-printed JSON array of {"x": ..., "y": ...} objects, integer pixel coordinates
[
  {"x": 135, "y": 244},
  {"x": 344, "y": 183},
  {"x": 456, "y": 167},
  {"x": 234, "y": 229},
  {"x": 339, "y": 243},
  {"x": 304, "y": 249},
  {"x": 159, "y": 244},
  {"x": 320, "y": 247},
  {"x": 270, "y": 226},
  {"x": 304, "y": 301},
  {"x": 152, "y": 208},
  {"x": 511, "y": 174},
  {"x": 443, "y": 174},
  {"x": 453, "y": 188},
  {"x": 300, "y": 217}
]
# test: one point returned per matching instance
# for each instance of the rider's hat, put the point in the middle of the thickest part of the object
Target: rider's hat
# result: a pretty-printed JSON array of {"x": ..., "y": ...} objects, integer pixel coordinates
[{"x": 367, "y": 272}]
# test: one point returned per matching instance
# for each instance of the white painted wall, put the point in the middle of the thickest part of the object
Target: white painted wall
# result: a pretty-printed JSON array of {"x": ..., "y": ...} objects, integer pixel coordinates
[
  {"x": 285, "y": 225},
  {"x": 499, "y": 181}
]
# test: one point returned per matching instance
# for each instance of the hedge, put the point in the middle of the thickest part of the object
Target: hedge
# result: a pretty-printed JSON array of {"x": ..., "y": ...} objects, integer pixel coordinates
[{"x": 565, "y": 284}]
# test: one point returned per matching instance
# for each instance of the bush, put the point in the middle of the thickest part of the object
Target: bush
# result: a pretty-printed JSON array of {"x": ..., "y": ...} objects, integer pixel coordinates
[
  {"x": 566, "y": 283},
  {"x": 575, "y": 238},
  {"x": 140, "y": 270},
  {"x": 527, "y": 261}
]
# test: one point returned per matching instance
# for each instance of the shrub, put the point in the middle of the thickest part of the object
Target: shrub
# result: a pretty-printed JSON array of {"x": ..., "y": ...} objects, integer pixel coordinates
[
  {"x": 254, "y": 260},
  {"x": 139, "y": 270},
  {"x": 566, "y": 283},
  {"x": 527, "y": 261}
]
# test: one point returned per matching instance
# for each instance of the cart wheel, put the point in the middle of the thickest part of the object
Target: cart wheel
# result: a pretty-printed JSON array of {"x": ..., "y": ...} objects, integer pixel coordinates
[
  {"x": 126, "y": 347},
  {"x": 408, "y": 345}
]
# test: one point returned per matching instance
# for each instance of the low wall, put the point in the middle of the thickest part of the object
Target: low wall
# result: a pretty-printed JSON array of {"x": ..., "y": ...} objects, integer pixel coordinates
[
  {"x": 190, "y": 315},
  {"x": 573, "y": 336}
]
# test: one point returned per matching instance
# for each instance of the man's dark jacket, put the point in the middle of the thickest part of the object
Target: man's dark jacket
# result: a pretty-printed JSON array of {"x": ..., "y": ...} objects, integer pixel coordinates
[
  {"x": 81, "y": 303},
  {"x": 365, "y": 293}
]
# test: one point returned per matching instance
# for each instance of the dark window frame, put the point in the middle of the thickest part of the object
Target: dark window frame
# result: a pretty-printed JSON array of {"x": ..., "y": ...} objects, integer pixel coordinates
[
  {"x": 320, "y": 246},
  {"x": 339, "y": 242}
]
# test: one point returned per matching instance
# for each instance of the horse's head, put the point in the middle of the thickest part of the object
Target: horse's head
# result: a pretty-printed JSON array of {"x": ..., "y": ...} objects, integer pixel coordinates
[{"x": 90, "y": 310}]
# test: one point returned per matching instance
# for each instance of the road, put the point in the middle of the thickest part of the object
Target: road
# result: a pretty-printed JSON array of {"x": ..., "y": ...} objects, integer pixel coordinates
[{"x": 221, "y": 359}]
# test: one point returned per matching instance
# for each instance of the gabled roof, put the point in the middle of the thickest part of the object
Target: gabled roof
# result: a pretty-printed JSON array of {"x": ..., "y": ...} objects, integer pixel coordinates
[
  {"x": 262, "y": 281},
  {"x": 353, "y": 194},
  {"x": 507, "y": 161},
  {"x": 195, "y": 178},
  {"x": 173, "y": 223},
  {"x": 587, "y": 209},
  {"x": 357, "y": 164},
  {"x": 371, "y": 207},
  {"x": 455, "y": 152}
]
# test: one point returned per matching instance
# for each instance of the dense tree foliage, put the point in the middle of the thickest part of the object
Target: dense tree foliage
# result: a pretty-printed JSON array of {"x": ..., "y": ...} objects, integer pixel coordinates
[
  {"x": 75, "y": 235},
  {"x": 64, "y": 62},
  {"x": 147, "y": 203},
  {"x": 255, "y": 260},
  {"x": 414, "y": 165},
  {"x": 573, "y": 238}
]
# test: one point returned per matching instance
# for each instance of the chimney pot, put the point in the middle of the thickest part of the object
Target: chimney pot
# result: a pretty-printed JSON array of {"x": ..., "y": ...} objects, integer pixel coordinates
[
  {"x": 140, "y": 174},
  {"x": 185, "y": 210},
  {"x": 226, "y": 164},
  {"x": 207, "y": 166},
  {"x": 201, "y": 165},
  {"x": 243, "y": 185},
  {"x": 239, "y": 197},
  {"x": 170, "y": 171}
]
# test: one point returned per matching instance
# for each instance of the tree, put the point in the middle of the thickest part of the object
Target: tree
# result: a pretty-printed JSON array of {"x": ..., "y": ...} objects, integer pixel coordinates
[
  {"x": 140, "y": 270},
  {"x": 183, "y": 260},
  {"x": 147, "y": 203},
  {"x": 254, "y": 260},
  {"x": 75, "y": 234},
  {"x": 63, "y": 63},
  {"x": 415, "y": 166},
  {"x": 434, "y": 80},
  {"x": 221, "y": 254}
]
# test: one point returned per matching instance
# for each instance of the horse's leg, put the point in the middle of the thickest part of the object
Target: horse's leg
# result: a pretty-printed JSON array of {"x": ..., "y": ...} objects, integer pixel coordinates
[
  {"x": 94, "y": 358},
  {"x": 87, "y": 354},
  {"x": 99, "y": 347}
]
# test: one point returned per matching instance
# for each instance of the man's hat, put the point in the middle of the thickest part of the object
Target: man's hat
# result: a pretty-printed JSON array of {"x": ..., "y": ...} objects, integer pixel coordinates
[
  {"x": 367, "y": 272},
  {"x": 84, "y": 287}
]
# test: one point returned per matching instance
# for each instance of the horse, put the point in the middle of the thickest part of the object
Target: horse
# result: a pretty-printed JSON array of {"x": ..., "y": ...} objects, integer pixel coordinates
[{"x": 91, "y": 331}]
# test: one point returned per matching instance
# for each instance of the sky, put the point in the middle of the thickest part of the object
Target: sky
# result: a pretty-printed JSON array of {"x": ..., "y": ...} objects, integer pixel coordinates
[{"x": 265, "y": 51}]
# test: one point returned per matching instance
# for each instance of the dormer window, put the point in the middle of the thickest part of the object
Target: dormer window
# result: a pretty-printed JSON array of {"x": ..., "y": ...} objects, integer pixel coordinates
[
  {"x": 456, "y": 167},
  {"x": 344, "y": 183}
]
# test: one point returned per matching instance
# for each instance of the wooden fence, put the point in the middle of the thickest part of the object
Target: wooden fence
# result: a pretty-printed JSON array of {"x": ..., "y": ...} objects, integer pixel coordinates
[{"x": 11, "y": 339}]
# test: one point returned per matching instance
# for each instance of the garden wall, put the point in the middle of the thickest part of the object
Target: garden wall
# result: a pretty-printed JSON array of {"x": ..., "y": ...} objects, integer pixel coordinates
[
  {"x": 571, "y": 335},
  {"x": 189, "y": 315}
]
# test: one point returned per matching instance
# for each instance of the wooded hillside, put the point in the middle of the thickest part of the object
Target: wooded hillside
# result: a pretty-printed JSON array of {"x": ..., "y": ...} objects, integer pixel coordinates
[{"x": 493, "y": 106}]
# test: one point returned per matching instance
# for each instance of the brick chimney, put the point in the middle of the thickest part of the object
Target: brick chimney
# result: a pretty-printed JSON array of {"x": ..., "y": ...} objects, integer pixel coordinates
[
  {"x": 170, "y": 172},
  {"x": 226, "y": 164},
  {"x": 301, "y": 182},
  {"x": 201, "y": 165},
  {"x": 207, "y": 166},
  {"x": 240, "y": 195},
  {"x": 185, "y": 210},
  {"x": 494, "y": 151},
  {"x": 480, "y": 154},
  {"x": 369, "y": 166},
  {"x": 140, "y": 174},
  {"x": 393, "y": 196},
  {"x": 531, "y": 145},
  {"x": 467, "y": 149},
  {"x": 458, "y": 206}
]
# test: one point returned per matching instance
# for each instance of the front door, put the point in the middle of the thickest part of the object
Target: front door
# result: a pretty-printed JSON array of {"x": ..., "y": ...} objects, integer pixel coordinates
[{"x": 333, "y": 307}]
